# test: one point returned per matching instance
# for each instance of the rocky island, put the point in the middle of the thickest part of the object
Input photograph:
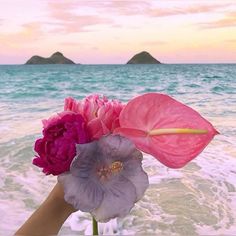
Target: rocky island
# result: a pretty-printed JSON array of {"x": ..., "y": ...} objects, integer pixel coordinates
[
  {"x": 143, "y": 58},
  {"x": 55, "y": 58}
]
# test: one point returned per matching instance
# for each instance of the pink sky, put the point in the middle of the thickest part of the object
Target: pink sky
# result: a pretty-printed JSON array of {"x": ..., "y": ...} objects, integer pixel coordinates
[{"x": 110, "y": 32}]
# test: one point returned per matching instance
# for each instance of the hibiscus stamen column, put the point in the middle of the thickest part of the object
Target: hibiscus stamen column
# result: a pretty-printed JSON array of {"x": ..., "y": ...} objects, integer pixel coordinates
[{"x": 95, "y": 227}]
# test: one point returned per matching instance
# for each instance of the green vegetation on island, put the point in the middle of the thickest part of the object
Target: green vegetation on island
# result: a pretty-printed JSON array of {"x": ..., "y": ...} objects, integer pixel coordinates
[
  {"x": 143, "y": 58},
  {"x": 55, "y": 58}
]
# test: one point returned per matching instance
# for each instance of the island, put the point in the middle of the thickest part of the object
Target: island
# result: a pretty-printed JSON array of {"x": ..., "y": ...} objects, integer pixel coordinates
[
  {"x": 55, "y": 58},
  {"x": 143, "y": 58}
]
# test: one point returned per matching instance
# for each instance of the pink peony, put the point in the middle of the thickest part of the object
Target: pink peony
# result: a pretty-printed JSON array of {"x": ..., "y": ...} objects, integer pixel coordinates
[
  {"x": 100, "y": 114},
  {"x": 57, "y": 148}
]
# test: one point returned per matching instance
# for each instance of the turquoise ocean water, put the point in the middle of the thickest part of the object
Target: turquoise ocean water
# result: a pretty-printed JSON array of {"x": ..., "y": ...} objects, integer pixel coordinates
[{"x": 199, "y": 199}]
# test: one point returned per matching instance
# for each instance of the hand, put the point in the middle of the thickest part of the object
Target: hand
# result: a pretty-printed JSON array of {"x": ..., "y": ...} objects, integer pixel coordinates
[{"x": 49, "y": 217}]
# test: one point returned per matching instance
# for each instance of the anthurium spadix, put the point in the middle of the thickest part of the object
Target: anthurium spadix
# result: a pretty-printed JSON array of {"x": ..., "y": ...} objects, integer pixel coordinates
[{"x": 168, "y": 130}]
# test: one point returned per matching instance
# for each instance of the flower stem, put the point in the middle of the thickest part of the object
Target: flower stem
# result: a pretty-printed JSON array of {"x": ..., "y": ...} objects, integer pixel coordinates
[{"x": 95, "y": 227}]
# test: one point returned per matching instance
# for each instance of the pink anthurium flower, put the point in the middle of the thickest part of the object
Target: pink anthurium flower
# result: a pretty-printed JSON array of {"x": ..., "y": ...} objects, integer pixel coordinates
[{"x": 165, "y": 128}]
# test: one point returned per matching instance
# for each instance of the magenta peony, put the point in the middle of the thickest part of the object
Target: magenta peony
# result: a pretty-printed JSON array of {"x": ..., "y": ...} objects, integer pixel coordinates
[
  {"x": 100, "y": 114},
  {"x": 57, "y": 148}
]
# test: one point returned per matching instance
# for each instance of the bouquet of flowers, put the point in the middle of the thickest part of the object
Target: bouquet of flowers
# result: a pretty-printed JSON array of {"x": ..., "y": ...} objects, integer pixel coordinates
[{"x": 95, "y": 148}]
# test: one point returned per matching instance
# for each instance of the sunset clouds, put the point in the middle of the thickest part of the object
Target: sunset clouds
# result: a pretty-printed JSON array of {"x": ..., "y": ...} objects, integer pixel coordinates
[
  {"x": 229, "y": 20},
  {"x": 112, "y": 31},
  {"x": 68, "y": 18}
]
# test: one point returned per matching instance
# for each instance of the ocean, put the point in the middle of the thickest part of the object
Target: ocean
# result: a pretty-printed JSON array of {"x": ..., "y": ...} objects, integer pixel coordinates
[{"x": 199, "y": 199}]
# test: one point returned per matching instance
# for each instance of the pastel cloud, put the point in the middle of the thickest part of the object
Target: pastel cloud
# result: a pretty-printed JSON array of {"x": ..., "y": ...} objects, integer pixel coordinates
[
  {"x": 149, "y": 8},
  {"x": 67, "y": 20},
  {"x": 126, "y": 7},
  {"x": 146, "y": 8},
  {"x": 29, "y": 33},
  {"x": 228, "y": 21},
  {"x": 196, "y": 9}
]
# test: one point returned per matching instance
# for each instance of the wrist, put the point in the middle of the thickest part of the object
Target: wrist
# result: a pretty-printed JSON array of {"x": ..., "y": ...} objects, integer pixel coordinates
[{"x": 56, "y": 199}]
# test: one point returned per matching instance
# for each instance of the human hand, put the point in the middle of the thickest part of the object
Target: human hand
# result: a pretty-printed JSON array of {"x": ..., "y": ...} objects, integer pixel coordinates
[{"x": 49, "y": 217}]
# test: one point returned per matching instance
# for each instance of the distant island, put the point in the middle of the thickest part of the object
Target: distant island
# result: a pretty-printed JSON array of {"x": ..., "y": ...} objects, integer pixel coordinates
[
  {"x": 58, "y": 58},
  {"x": 143, "y": 58},
  {"x": 55, "y": 58}
]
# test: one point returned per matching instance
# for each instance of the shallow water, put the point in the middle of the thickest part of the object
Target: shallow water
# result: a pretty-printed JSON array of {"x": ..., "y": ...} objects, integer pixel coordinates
[{"x": 199, "y": 199}]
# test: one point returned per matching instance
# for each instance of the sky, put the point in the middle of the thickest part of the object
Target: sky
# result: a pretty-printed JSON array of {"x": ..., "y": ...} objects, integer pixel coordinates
[{"x": 111, "y": 32}]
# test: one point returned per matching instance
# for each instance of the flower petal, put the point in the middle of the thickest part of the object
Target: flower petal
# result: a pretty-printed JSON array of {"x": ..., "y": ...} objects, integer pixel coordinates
[
  {"x": 105, "y": 174},
  {"x": 157, "y": 111},
  {"x": 83, "y": 194},
  {"x": 118, "y": 200},
  {"x": 82, "y": 188},
  {"x": 120, "y": 148},
  {"x": 70, "y": 105},
  {"x": 83, "y": 165},
  {"x": 116, "y": 147},
  {"x": 96, "y": 128},
  {"x": 134, "y": 173}
]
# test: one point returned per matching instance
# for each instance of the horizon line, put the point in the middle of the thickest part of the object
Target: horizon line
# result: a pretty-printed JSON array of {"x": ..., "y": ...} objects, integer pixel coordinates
[{"x": 87, "y": 64}]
